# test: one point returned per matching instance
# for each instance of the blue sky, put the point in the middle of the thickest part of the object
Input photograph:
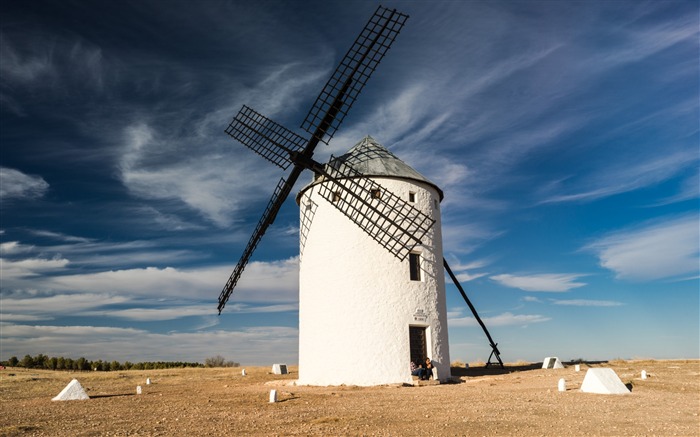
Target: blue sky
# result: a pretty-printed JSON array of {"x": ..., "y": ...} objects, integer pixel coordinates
[{"x": 564, "y": 135}]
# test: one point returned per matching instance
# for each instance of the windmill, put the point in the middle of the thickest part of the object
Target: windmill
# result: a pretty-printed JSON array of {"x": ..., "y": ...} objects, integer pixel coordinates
[{"x": 395, "y": 224}]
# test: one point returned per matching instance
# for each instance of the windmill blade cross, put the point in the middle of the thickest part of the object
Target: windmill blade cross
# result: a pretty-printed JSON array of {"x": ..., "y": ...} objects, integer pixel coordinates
[{"x": 283, "y": 147}]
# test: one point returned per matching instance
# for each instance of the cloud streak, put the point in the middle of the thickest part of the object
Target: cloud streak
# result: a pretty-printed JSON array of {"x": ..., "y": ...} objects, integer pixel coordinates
[
  {"x": 17, "y": 185},
  {"x": 546, "y": 282},
  {"x": 251, "y": 345},
  {"x": 660, "y": 249},
  {"x": 505, "y": 319}
]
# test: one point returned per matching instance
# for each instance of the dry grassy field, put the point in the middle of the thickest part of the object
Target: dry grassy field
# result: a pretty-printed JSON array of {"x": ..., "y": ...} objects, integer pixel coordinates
[{"x": 523, "y": 400}]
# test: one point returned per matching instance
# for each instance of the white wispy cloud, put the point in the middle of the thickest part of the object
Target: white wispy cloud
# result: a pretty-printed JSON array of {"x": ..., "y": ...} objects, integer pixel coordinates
[
  {"x": 17, "y": 185},
  {"x": 531, "y": 299},
  {"x": 466, "y": 272},
  {"x": 30, "y": 268},
  {"x": 689, "y": 189},
  {"x": 464, "y": 237},
  {"x": 222, "y": 178},
  {"x": 144, "y": 313},
  {"x": 505, "y": 319},
  {"x": 252, "y": 346},
  {"x": 275, "y": 281},
  {"x": 664, "y": 248},
  {"x": 21, "y": 261},
  {"x": 59, "y": 236},
  {"x": 546, "y": 282},
  {"x": 586, "y": 302},
  {"x": 624, "y": 177},
  {"x": 20, "y": 67},
  {"x": 59, "y": 304},
  {"x": 14, "y": 248}
]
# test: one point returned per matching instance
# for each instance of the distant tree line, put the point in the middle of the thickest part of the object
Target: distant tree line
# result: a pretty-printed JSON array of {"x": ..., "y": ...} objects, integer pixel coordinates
[{"x": 60, "y": 363}]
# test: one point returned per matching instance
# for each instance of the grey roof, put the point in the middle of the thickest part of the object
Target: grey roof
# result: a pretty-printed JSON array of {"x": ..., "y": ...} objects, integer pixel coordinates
[{"x": 372, "y": 159}]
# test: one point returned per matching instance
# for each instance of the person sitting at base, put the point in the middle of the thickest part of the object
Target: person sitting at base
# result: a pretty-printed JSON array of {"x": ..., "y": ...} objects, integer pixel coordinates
[
  {"x": 428, "y": 369},
  {"x": 417, "y": 371}
]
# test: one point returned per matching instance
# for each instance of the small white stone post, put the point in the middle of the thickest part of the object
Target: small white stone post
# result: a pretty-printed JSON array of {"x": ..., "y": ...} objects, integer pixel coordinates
[
  {"x": 644, "y": 374},
  {"x": 273, "y": 396},
  {"x": 562, "y": 385},
  {"x": 138, "y": 389},
  {"x": 243, "y": 372}
]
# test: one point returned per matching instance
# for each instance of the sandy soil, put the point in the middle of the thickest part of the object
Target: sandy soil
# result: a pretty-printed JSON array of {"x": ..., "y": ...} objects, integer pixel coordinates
[{"x": 523, "y": 401}]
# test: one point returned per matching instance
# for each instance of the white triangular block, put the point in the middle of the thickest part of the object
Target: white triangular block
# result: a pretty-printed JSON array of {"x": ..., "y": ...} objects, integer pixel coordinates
[
  {"x": 552, "y": 363},
  {"x": 279, "y": 369},
  {"x": 603, "y": 381},
  {"x": 72, "y": 392}
]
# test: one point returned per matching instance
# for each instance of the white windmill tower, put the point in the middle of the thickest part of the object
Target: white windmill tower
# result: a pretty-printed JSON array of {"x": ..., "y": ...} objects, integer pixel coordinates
[
  {"x": 393, "y": 319},
  {"x": 364, "y": 314}
]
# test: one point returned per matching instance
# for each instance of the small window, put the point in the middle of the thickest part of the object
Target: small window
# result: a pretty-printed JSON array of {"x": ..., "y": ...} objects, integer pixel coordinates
[
  {"x": 412, "y": 197},
  {"x": 336, "y": 197},
  {"x": 435, "y": 203},
  {"x": 376, "y": 193},
  {"x": 414, "y": 266}
]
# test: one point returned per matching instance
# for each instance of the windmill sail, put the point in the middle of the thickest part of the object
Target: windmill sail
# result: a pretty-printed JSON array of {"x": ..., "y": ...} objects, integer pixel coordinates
[
  {"x": 268, "y": 217},
  {"x": 263, "y": 136},
  {"x": 353, "y": 72},
  {"x": 389, "y": 220}
]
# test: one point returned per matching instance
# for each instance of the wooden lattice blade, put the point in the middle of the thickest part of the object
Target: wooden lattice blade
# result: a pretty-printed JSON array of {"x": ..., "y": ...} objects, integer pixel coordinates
[
  {"x": 346, "y": 83},
  {"x": 391, "y": 221},
  {"x": 278, "y": 197},
  {"x": 263, "y": 136}
]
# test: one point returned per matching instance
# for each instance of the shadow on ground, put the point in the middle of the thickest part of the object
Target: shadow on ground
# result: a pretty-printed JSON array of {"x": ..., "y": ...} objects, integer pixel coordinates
[{"x": 496, "y": 369}]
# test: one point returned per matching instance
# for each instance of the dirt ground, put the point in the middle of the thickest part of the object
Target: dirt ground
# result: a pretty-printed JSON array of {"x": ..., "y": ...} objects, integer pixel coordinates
[{"x": 522, "y": 400}]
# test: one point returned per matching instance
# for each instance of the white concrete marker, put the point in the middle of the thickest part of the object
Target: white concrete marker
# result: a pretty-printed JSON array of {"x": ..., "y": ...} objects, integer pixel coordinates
[
  {"x": 552, "y": 363},
  {"x": 279, "y": 369},
  {"x": 603, "y": 381},
  {"x": 72, "y": 392},
  {"x": 273, "y": 396},
  {"x": 644, "y": 374},
  {"x": 577, "y": 367},
  {"x": 148, "y": 381},
  {"x": 243, "y": 372},
  {"x": 562, "y": 385},
  {"x": 138, "y": 389}
]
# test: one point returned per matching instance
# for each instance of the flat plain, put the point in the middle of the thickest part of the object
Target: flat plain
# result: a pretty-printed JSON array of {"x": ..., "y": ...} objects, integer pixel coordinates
[{"x": 521, "y": 400}]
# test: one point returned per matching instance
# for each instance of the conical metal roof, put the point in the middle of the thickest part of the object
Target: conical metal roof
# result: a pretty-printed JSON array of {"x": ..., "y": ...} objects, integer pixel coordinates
[{"x": 372, "y": 159}]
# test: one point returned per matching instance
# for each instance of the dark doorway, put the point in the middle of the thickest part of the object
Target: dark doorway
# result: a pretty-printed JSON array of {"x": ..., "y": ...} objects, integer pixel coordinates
[{"x": 418, "y": 344}]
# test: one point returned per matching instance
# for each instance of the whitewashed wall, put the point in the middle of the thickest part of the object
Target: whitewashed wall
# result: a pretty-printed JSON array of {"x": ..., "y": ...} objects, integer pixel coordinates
[{"x": 357, "y": 300}]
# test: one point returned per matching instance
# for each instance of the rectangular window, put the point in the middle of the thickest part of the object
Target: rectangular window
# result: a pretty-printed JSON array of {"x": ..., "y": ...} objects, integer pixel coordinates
[
  {"x": 376, "y": 193},
  {"x": 412, "y": 197},
  {"x": 414, "y": 266}
]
